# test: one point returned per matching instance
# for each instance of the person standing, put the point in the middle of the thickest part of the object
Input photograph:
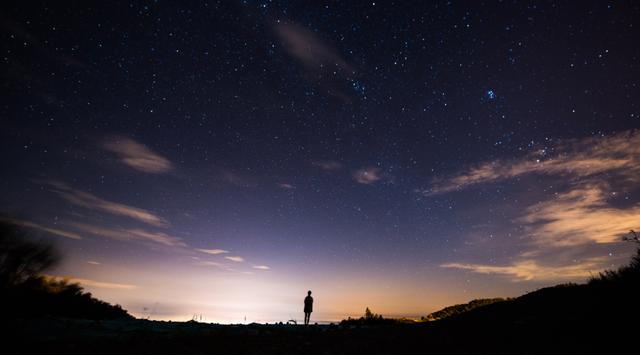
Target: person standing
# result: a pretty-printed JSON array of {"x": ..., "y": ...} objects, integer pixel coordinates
[{"x": 308, "y": 308}]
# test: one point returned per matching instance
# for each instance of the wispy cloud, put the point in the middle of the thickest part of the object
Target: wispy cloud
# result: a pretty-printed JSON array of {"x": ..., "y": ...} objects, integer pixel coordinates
[
  {"x": 91, "y": 262},
  {"x": 156, "y": 237},
  {"x": 322, "y": 63},
  {"x": 128, "y": 234},
  {"x": 235, "y": 178},
  {"x": 94, "y": 283},
  {"x": 136, "y": 155},
  {"x": 208, "y": 263},
  {"x": 90, "y": 201},
  {"x": 261, "y": 267},
  {"x": 309, "y": 48},
  {"x": 286, "y": 186},
  {"x": 237, "y": 259},
  {"x": 532, "y": 270},
  {"x": 584, "y": 212},
  {"x": 100, "y": 284},
  {"x": 33, "y": 225},
  {"x": 580, "y": 216},
  {"x": 213, "y": 251},
  {"x": 587, "y": 157},
  {"x": 328, "y": 165},
  {"x": 368, "y": 175}
]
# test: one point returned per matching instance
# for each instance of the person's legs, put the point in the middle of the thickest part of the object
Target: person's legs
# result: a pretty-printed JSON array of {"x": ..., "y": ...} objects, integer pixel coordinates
[{"x": 306, "y": 318}]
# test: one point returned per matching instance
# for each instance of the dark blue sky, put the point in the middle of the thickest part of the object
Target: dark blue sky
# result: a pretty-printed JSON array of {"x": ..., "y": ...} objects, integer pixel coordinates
[{"x": 224, "y": 157}]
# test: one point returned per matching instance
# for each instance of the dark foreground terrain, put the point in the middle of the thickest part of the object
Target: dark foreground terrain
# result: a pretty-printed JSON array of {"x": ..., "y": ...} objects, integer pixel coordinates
[
  {"x": 574, "y": 319},
  {"x": 40, "y": 315}
]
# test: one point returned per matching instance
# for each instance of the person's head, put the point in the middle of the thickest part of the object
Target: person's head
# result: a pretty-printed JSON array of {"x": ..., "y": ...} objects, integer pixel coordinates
[{"x": 309, "y": 293}]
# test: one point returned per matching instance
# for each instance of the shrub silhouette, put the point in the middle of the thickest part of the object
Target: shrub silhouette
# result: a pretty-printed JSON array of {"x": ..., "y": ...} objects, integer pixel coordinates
[
  {"x": 24, "y": 292},
  {"x": 371, "y": 318},
  {"x": 20, "y": 258},
  {"x": 39, "y": 296},
  {"x": 627, "y": 275}
]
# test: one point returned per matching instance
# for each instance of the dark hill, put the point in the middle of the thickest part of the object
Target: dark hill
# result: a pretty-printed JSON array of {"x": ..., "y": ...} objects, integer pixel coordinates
[
  {"x": 460, "y": 308},
  {"x": 600, "y": 316}
]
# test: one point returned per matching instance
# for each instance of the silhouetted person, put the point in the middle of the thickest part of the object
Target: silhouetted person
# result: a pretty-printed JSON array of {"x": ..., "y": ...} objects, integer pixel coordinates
[{"x": 308, "y": 308}]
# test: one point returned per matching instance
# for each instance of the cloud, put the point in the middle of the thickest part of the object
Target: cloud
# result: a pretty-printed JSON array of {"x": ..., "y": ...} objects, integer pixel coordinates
[
  {"x": 531, "y": 270},
  {"x": 286, "y": 186},
  {"x": 323, "y": 65},
  {"x": 90, "y": 201},
  {"x": 261, "y": 267},
  {"x": 128, "y": 234},
  {"x": 328, "y": 165},
  {"x": 619, "y": 153},
  {"x": 234, "y": 178},
  {"x": 136, "y": 155},
  {"x": 156, "y": 237},
  {"x": 237, "y": 259},
  {"x": 583, "y": 213},
  {"x": 100, "y": 284},
  {"x": 580, "y": 216},
  {"x": 93, "y": 262},
  {"x": 308, "y": 48},
  {"x": 367, "y": 176},
  {"x": 208, "y": 263},
  {"x": 33, "y": 225},
  {"x": 213, "y": 251}
]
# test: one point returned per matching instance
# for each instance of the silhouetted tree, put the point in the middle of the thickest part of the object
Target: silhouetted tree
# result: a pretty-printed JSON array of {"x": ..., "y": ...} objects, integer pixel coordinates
[
  {"x": 20, "y": 258},
  {"x": 632, "y": 236},
  {"x": 627, "y": 274},
  {"x": 25, "y": 292},
  {"x": 370, "y": 316}
]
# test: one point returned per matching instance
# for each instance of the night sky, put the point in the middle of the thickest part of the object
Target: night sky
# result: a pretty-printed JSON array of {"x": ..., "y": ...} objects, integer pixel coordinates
[{"x": 222, "y": 158}]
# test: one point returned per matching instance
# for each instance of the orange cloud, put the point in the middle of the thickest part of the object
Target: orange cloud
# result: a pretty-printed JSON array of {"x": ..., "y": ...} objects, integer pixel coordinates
[
  {"x": 100, "y": 284},
  {"x": 136, "y": 155},
  {"x": 368, "y": 175},
  {"x": 92, "y": 283},
  {"x": 261, "y": 267},
  {"x": 573, "y": 221},
  {"x": 531, "y": 270},
  {"x": 580, "y": 216},
  {"x": 587, "y": 157}
]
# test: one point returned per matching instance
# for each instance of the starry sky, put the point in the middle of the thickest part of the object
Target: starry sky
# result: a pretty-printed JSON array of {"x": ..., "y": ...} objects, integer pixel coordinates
[{"x": 222, "y": 158}]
